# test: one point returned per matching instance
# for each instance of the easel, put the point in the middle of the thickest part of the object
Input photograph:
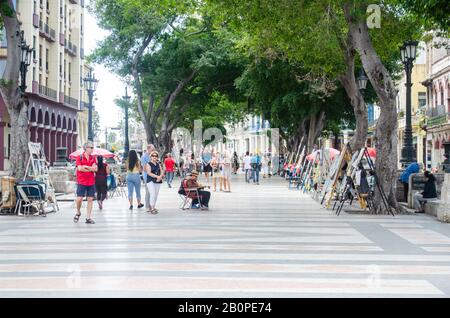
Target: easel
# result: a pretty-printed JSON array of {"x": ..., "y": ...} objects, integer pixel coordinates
[
  {"x": 379, "y": 187},
  {"x": 345, "y": 156},
  {"x": 37, "y": 168}
]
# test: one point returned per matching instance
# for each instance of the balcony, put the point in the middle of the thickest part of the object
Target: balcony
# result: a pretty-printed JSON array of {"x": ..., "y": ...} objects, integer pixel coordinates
[
  {"x": 47, "y": 32},
  {"x": 44, "y": 90},
  {"x": 437, "y": 115},
  {"x": 70, "y": 47},
  {"x": 71, "y": 101}
]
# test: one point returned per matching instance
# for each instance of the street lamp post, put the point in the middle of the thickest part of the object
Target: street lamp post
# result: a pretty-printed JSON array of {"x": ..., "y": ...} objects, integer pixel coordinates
[
  {"x": 91, "y": 86},
  {"x": 25, "y": 61},
  {"x": 126, "y": 147},
  {"x": 408, "y": 54}
]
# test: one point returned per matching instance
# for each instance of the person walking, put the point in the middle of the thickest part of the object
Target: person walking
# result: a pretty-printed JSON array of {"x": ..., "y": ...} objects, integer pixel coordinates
[
  {"x": 154, "y": 179},
  {"x": 247, "y": 166},
  {"x": 169, "y": 164},
  {"x": 226, "y": 172},
  {"x": 144, "y": 160},
  {"x": 235, "y": 163},
  {"x": 216, "y": 171},
  {"x": 206, "y": 164},
  {"x": 86, "y": 169},
  {"x": 134, "y": 178},
  {"x": 265, "y": 166},
  {"x": 256, "y": 167},
  {"x": 100, "y": 181}
]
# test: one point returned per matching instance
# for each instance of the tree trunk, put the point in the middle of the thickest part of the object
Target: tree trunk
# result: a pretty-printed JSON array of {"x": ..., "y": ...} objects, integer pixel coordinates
[
  {"x": 386, "y": 130},
  {"x": 16, "y": 105},
  {"x": 348, "y": 81},
  {"x": 316, "y": 124}
]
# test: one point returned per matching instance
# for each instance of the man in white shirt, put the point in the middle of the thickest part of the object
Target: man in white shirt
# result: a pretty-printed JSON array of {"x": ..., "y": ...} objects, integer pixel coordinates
[{"x": 248, "y": 166}]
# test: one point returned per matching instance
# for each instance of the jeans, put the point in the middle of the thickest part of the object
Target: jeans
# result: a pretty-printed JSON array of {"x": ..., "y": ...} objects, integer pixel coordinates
[
  {"x": 169, "y": 176},
  {"x": 418, "y": 199},
  {"x": 248, "y": 175},
  {"x": 134, "y": 183},
  {"x": 255, "y": 174},
  {"x": 153, "y": 189}
]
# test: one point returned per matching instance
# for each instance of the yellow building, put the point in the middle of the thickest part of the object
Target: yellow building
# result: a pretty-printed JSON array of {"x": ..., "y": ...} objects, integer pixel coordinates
[{"x": 55, "y": 88}]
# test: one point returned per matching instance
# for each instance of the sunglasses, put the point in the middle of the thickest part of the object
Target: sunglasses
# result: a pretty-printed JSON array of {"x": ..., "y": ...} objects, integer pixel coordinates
[
  {"x": 155, "y": 156},
  {"x": 89, "y": 147}
]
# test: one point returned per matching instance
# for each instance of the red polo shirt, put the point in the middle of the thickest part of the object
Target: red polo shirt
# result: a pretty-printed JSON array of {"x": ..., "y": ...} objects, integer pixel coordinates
[
  {"x": 169, "y": 163},
  {"x": 86, "y": 178}
]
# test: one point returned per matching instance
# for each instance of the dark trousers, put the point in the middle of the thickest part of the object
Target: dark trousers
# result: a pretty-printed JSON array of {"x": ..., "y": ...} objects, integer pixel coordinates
[
  {"x": 405, "y": 191},
  {"x": 102, "y": 189},
  {"x": 204, "y": 197}
]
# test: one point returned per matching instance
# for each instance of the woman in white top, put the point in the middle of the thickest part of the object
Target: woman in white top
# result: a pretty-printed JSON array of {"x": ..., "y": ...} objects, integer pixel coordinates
[
  {"x": 226, "y": 172},
  {"x": 215, "y": 164}
]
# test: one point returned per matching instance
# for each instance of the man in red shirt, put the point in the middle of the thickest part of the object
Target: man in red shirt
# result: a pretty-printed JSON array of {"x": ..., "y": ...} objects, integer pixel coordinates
[
  {"x": 86, "y": 169},
  {"x": 169, "y": 164}
]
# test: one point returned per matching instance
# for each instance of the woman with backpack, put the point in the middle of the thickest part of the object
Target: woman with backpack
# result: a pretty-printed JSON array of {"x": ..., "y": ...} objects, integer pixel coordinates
[{"x": 100, "y": 181}]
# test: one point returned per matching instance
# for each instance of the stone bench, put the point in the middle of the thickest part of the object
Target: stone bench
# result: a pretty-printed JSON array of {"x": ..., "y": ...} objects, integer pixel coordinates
[{"x": 431, "y": 207}]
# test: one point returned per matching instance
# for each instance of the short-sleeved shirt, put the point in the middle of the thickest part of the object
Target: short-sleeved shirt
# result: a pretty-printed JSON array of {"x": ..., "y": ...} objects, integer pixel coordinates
[
  {"x": 169, "y": 163},
  {"x": 86, "y": 178}
]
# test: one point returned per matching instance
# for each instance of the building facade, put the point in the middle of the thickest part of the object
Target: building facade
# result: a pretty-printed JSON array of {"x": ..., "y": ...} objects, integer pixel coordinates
[
  {"x": 55, "y": 29},
  {"x": 249, "y": 135},
  {"x": 437, "y": 84}
]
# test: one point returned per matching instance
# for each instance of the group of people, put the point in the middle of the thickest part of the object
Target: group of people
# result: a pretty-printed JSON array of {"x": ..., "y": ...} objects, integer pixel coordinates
[
  {"x": 92, "y": 173},
  {"x": 429, "y": 192},
  {"x": 254, "y": 164}
]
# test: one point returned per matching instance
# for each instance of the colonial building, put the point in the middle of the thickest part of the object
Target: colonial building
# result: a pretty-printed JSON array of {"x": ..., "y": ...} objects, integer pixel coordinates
[
  {"x": 437, "y": 85},
  {"x": 55, "y": 29},
  {"x": 249, "y": 135}
]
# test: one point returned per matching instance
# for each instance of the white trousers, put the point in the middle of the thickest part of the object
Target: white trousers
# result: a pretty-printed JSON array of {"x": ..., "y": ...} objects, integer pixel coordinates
[{"x": 153, "y": 189}]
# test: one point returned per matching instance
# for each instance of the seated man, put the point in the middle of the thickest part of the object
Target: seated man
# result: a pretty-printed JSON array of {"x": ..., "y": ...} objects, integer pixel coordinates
[{"x": 204, "y": 195}]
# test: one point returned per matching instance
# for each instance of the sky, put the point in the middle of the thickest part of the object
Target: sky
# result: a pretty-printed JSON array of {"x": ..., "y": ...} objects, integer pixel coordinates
[{"x": 109, "y": 86}]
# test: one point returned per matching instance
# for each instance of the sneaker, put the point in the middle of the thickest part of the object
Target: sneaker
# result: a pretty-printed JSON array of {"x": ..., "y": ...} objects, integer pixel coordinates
[
  {"x": 140, "y": 206},
  {"x": 131, "y": 207},
  {"x": 204, "y": 208},
  {"x": 195, "y": 206}
]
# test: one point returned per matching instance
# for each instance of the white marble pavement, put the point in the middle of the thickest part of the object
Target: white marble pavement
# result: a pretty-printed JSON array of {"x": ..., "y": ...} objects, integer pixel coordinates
[{"x": 264, "y": 241}]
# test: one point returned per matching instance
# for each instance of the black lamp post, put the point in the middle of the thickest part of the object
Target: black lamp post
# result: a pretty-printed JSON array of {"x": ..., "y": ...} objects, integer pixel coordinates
[
  {"x": 408, "y": 54},
  {"x": 126, "y": 146},
  {"x": 25, "y": 60},
  {"x": 91, "y": 86}
]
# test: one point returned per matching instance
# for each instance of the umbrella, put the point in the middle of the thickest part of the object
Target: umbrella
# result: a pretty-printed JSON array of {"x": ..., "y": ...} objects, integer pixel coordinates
[
  {"x": 372, "y": 152},
  {"x": 97, "y": 152},
  {"x": 333, "y": 153}
]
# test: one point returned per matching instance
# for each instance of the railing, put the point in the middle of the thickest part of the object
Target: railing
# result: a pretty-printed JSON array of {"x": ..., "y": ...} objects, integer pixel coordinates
[
  {"x": 47, "y": 31},
  {"x": 44, "y": 90},
  {"x": 437, "y": 116},
  {"x": 70, "y": 47},
  {"x": 437, "y": 111},
  {"x": 71, "y": 101}
]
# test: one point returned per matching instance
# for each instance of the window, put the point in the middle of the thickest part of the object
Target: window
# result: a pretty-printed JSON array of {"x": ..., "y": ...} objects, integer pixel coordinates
[
  {"x": 40, "y": 56},
  {"x": 48, "y": 5},
  {"x": 40, "y": 79},
  {"x": 34, "y": 73},
  {"x": 422, "y": 99},
  {"x": 64, "y": 71},
  {"x": 70, "y": 72},
  {"x": 60, "y": 64},
  {"x": 34, "y": 47},
  {"x": 46, "y": 60},
  {"x": 8, "y": 149},
  {"x": 34, "y": 6}
]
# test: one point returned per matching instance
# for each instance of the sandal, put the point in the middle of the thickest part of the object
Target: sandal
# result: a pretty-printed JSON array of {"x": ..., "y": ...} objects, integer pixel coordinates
[
  {"x": 154, "y": 211},
  {"x": 76, "y": 218},
  {"x": 90, "y": 221}
]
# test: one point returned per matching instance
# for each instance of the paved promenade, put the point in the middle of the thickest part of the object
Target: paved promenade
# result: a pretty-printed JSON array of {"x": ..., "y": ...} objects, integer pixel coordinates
[{"x": 264, "y": 241}]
